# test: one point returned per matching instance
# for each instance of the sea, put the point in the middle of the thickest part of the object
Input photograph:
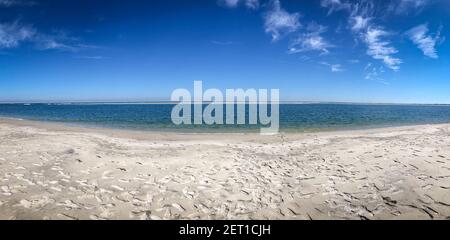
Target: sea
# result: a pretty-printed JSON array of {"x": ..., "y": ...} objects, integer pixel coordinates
[{"x": 293, "y": 117}]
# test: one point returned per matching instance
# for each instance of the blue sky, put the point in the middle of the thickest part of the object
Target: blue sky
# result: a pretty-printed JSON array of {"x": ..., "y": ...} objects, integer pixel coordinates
[{"x": 325, "y": 50}]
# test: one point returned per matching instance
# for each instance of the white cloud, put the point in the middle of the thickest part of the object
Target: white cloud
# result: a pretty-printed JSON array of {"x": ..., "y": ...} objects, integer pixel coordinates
[
  {"x": 358, "y": 23},
  {"x": 336, "y": 68},
  {"x": 365, "y": 8},
  {"x": 91, "y": 57},
  {"x": 311, "y": 41},
  {"x": 252, "y": 4},
  {"x": 427, "y": 43},
  {"x": 13, "y": 34},
  {"x": 406, "y": 6},
  {"x": 230, "y": 3},
  {"x": 381, "y": 49},
  {"x": 360, "y": 12},
  {"x": 279, "y": 22},
  {"x": 46, "y": 42},
  {"x": 333, "y": 67},
  {"x": 375, "y": 8},
  {"x": 361, "y": 15},
  {"x": 358, "y": 7},
  {"x": 374, "y": 73},
  {"x": 222, "y": 42},
  {"x": 413, "y": 3},
  {"x": 11, "y": 3},
  {"x": 334, "y": 5},
  {"x": 7, "y": 3}
]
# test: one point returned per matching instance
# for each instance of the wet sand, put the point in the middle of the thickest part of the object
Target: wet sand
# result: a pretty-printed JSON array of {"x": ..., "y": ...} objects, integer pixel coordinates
[{"x": 53, "y": 171}]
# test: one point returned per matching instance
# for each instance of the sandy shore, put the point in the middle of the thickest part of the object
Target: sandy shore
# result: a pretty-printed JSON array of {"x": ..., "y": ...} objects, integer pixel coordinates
[{"x": 50, "y": 171}]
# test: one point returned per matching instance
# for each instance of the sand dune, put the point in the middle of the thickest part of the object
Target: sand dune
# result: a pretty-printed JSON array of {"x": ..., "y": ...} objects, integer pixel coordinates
[{"x": 48, "y": 171}]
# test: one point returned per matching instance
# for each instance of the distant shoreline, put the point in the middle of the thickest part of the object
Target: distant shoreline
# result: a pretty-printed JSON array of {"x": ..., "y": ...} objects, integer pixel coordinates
[{"x": 205, "y": 102}]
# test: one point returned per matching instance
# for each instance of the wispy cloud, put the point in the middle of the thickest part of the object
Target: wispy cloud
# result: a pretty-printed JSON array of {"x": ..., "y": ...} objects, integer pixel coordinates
[
  {"x": 229, "y": 3},
  {"x": 7, "y": 3},
  {"x": 364, "y": 23},
  {"x": 361, "y": 15},
  {"x": 424, "y": 41},
  {"x": 311, "y": 41},
  {"x": 374, "y": 73},
  {"x": 222, "y": 42},
  {"x": 355, "y": 7},
  {"x": 334, "y": 5},
  {"x": 381, "y": 49},
  {"x": 375, "y": 7},
  {"x": 279, "y": 22},
  {"x": 333, "y": 67},
  {"x": 364, "y": 8},
  {"x": 407, "y": 6},
  {"x": 13, "y": 35},
  {"x": 45, "y": 42},
  {"x": 371, "y": 72},
  {"x": 12, "y": 3},
  {"x": 359, "y": 23},
  {"x": 336, "y": 68},
  {"x": 252, "y": 4},
  {"x": 91, "y": 57}
]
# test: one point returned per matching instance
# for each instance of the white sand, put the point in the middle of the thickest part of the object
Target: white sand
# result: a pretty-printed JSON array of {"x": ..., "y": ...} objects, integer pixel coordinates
[{"x": 49, "y": 171}]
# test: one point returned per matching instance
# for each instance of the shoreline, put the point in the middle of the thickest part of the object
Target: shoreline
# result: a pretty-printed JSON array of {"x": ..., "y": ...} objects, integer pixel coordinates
[
  {"x": 62, "y": 126},
  {"x": 51, "y": 171}
]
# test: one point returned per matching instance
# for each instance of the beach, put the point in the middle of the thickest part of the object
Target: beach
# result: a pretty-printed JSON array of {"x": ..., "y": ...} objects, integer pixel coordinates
[{"x": 55, "y": 171}]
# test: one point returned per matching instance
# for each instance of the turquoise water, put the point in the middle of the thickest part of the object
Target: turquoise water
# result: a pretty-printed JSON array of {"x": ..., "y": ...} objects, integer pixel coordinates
[{"x": 293, "y": 117}]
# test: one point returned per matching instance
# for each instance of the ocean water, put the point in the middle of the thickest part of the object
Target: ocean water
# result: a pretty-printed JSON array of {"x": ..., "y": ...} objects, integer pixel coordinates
[{"x": 293, "y": 117}]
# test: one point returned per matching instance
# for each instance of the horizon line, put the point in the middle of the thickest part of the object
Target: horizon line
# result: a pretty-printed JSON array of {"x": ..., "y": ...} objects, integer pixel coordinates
[{"x": 205, "y": 102}]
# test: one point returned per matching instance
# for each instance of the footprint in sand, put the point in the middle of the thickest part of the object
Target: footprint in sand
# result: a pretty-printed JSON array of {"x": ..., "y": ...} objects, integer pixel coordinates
[
  {"x": 64, "y": 175},
  {"x": 56, "y": 168},
  {"x": 178, "y": 207},
  {"x": 36, "y": 203},
  {"x": 105, "y": 175},
  {"x": 117, "y": 187},
  {"x": 103, "y": 216},
  {"x": 6, "y": 191},
  {"x": 66, "y": 216},
  {"x": 57, "y": 189},
  {"x": 69, "y": 205}
]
